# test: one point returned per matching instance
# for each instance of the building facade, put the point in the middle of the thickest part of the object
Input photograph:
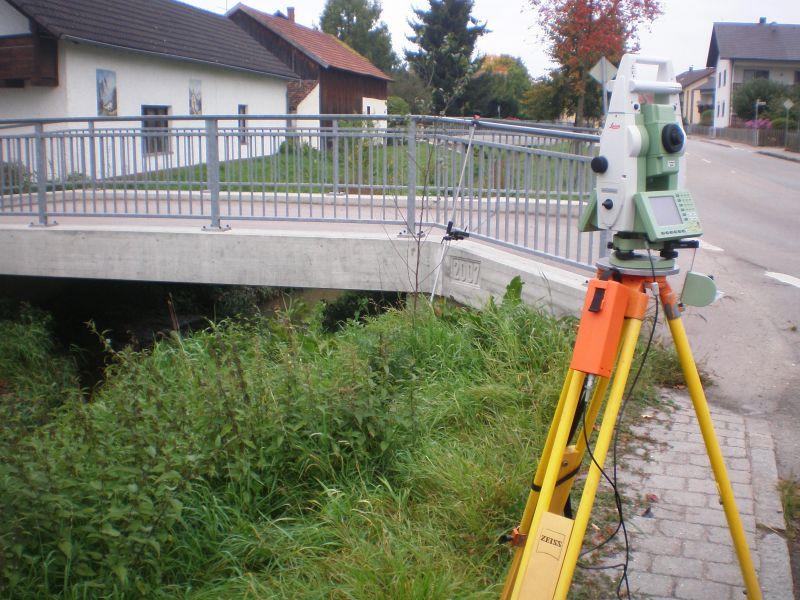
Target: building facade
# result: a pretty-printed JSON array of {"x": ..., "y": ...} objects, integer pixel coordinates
[
  {"x": 741, "y": 52},
  {"x": 334, "y": 78},
  {"x": 697, "y": 95},
  {"x": 153, "y": 59}
]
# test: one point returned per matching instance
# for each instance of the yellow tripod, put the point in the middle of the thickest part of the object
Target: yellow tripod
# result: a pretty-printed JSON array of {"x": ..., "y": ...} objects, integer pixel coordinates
[{"x": 544, "y": 564}]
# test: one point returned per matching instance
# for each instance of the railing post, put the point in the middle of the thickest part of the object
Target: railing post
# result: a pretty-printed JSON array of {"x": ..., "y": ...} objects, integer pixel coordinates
[
  {"x": 212, "y": 171},
  {"x": 335, "y": 131},
  {"x": 92, "y": 153},
  {"x": 41, "y": 175},
  {"x": 411, "y": 201}
]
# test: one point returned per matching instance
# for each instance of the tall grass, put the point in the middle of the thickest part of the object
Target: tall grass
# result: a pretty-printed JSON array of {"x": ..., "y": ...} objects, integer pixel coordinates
[{"x": 273, "y": 459}]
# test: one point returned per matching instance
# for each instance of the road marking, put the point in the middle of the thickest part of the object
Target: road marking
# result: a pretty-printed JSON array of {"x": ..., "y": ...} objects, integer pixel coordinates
[
  {"x": 710, "y": 247},
  {"x": 705, "y": 160},
  {"x": 783, "y": 278}
]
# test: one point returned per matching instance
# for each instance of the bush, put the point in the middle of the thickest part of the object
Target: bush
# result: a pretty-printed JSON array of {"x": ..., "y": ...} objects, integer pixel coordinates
[
  {"x": 781, "y": 122},
  {"x": 16, "y": 176},
  {"x": 395, "y": 105},
  {"x": 249, "y": 414},
  {"x": 34, "y": 379},
  {"x": 707, "y": 118},
  {"x": 766, "y": 90}
]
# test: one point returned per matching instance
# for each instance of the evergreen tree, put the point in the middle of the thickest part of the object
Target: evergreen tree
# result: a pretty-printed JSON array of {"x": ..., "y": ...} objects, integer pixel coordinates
[
  {"x": 355, "y": 22},
  {"x": 446, "y": 35},
  {"x": 497, "y": 88}
]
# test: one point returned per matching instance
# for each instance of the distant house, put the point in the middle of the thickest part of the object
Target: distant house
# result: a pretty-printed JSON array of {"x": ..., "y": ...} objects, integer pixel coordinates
[
  {"x": 80, "y": 58},
  {"x": 334, "y": 78},
  {"x": 741, "y": 52},
  {"x": 698, "y": 93}
]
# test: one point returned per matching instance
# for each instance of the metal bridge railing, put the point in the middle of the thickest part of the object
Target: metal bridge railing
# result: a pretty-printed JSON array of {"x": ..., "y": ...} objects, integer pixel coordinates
[{"x": 523, "y": 187}]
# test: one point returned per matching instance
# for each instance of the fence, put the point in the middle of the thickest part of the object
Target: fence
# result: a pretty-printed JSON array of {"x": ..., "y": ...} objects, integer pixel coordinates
[
  {"x": 755, "y": 137},
  {"x": 523, "y": 186}
]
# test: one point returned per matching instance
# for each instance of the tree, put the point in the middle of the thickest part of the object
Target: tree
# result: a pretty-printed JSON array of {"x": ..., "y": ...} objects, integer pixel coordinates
[
  {"x": 410, "y": 87},
  {"x": 446, "y": 35},
  {"x": 551, "y": 97},
  {"x": 541, "y": 102},
  {"x": 498, "y": 86},
  {"x": 580, "y": 32},
  {"x": 355, "y": 22},
  {"x": 771, "y": 92}
]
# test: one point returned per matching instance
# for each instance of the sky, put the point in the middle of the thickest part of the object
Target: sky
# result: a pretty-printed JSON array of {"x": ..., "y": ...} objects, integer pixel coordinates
[{"x": 682, "y": 33}]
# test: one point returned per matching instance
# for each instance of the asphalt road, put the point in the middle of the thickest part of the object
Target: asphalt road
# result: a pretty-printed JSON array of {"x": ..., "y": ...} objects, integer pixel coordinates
[{"x": 748, "y": 341}]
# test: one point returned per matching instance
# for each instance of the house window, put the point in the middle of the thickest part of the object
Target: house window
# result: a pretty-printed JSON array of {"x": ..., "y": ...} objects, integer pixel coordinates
[
  {"x": 155, "y": 130},
  {"x": 242, "y": 110},
  {"x": 717, "y": 108},
  {"x": 369, "y": 109},
  {"x": 724, "y": 83},
  {"x": 750, "y": 74},
  {"x": 723, "y": 108},
  {"x": 797, "y": 77}
]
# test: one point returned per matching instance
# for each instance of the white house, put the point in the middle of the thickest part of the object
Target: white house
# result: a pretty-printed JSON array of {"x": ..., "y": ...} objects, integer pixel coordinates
[
  {"x": 85, "y": 58},
  {"x": 741, "y": 52}
]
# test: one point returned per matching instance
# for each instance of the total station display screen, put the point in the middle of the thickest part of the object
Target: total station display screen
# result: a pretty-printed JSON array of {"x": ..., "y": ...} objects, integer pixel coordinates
[{"x": 665, "y": 210}]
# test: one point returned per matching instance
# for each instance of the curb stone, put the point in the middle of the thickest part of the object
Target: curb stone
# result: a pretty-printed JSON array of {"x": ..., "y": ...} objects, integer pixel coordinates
[{"x": 779, "y": 155}]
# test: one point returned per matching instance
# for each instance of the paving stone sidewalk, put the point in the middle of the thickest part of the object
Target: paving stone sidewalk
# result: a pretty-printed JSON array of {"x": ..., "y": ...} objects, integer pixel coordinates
[{"x": 682, "y": 548}]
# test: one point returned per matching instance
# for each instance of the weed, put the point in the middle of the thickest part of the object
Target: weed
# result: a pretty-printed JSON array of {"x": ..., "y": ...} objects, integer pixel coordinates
[{"x": 271, "y": 458}]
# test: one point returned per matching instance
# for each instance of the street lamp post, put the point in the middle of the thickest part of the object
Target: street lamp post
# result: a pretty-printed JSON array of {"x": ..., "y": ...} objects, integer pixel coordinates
[
  {"x": 759, "y": 103},
  {"x": 788, "y": 104}
]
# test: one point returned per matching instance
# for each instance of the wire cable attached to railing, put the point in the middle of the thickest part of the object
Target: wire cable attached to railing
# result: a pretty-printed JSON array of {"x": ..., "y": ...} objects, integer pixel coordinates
[{"x": 455, "y": 234}]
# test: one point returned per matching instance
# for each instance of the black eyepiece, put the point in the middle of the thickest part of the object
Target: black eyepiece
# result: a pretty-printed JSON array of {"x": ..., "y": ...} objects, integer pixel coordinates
[
  {"x": 672, "y": 138},
  {"x": 599, "y": 164}
]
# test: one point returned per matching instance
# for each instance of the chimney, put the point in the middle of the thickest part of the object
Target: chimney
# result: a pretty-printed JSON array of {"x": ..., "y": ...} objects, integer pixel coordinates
[
  {"x": 761, "y": 21},
  {"x": 290, "y": 13}
]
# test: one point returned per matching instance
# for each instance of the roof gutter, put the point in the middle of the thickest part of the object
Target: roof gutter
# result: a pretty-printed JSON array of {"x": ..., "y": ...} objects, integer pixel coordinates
[{"x": 176, "y": 57}]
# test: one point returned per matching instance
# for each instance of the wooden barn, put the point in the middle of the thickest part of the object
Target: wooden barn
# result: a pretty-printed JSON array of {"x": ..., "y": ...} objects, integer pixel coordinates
[{"x": 334, "y": 78}]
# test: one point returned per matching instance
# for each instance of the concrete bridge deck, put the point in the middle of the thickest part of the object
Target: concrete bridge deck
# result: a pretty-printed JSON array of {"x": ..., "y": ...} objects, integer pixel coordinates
[{"x": 286, "y": 254}]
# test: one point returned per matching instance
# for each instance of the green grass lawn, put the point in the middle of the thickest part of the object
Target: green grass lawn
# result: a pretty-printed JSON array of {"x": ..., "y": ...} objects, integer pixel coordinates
[
  {"x": 365, "y": 167},
  {"x": 270, "y": 458}
]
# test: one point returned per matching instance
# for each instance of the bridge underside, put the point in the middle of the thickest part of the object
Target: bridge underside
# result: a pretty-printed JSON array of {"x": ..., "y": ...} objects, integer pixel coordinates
[{"x": 335, "y": 256}]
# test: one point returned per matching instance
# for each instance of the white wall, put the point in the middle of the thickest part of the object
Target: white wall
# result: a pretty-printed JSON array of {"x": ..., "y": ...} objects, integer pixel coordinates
[
  {"x": 374, "y": 106},
  {"x": 309, "y": 106},
  {"x": 723, "y": 81},
  {"x": 12, "y": 22},
  {"x": 145, "y": 80},
  {"x": 782, "y": 73}
]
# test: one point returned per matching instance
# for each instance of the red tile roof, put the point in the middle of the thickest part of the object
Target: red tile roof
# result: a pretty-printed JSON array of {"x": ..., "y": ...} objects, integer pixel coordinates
[
  {"x": 321, "y": 47},
  {"x": 299, "y": 90}
]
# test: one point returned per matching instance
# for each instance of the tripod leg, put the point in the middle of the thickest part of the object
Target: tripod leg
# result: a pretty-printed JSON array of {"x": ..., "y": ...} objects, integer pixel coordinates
[
  {"x": 630, "y": 335},
  {"x": 689, "y": 369},
  {"x": 551, "y": 473},
  {"x": 533, "y": 495},
  {"x": 559, "y": 499}
]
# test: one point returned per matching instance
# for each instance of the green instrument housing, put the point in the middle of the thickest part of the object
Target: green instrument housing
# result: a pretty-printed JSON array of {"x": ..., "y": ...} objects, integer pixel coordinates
[{"x": 664, "y": 214}]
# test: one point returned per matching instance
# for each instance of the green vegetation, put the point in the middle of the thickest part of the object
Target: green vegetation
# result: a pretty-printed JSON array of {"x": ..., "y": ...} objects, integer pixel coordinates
[
  {"x": 364, "y": 168},
  {"x": 271, "y": 458},
  {"x": 790, "y": 497},
  {"x": 772, "y": 92}
]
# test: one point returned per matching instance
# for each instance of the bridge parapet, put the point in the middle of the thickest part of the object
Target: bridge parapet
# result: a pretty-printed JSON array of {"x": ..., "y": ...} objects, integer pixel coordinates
[{"x": 518, "y": 186}]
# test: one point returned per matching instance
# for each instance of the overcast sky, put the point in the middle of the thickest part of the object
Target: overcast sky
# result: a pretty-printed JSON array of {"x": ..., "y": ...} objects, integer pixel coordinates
[{"x": 681, "y": 33}]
